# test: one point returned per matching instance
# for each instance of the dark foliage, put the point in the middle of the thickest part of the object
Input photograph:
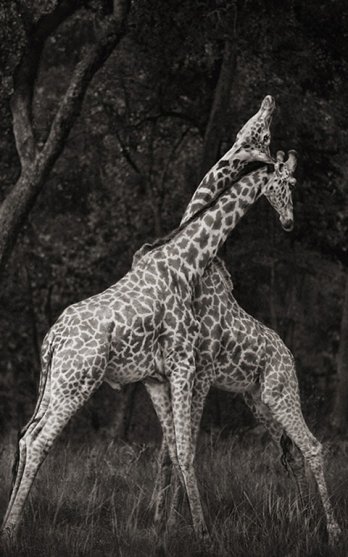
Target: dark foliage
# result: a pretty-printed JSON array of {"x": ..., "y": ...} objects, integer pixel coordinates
[{"x": 132, "y": 161}]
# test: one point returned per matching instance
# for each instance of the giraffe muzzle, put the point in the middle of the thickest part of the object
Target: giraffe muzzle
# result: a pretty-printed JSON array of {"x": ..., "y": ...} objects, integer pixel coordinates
[
  {"x": 268, "y": 104},
  {"x": 287, "y": 224}
]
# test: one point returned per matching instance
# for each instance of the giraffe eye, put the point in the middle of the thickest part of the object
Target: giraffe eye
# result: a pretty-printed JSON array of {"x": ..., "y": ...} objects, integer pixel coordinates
[{"x": 266, "y": 138}]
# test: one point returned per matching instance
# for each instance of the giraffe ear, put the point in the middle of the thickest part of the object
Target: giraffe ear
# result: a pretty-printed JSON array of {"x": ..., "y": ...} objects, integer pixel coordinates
[{"x": 291, "y": 163}]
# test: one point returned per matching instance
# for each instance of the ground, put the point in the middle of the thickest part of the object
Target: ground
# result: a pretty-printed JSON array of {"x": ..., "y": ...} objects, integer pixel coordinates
[{"x": 91, "y": 498}]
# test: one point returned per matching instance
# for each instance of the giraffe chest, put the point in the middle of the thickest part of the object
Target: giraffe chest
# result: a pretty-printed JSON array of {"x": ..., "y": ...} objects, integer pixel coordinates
[{"x": 229, "y": 339}]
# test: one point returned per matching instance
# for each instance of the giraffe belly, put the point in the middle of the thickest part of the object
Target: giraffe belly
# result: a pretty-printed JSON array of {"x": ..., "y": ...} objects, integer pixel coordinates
[
  {"x": 129, "y": 363},
  {"x": 119, "y": 373},
  {"x": 237, "y": 379},
  {"x": 134, "y": 354}
]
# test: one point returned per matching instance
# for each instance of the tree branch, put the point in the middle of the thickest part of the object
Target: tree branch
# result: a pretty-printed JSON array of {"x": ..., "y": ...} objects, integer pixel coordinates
[
  {"x": 172, "y": 154},
  {"x": 70, "y": 106},
  {"x": 125, "y": 152},
  {"x": 33, "y": 319},
  {"x": 169, "y": 114},
  {"x": 26, "y": 73},
  {"x": 26, "y": 15},
  {"x": 48, "y": 23}
]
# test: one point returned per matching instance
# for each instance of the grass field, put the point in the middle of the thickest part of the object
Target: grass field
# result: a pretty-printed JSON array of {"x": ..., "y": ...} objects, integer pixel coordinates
[{"x": 92, "y": 498}]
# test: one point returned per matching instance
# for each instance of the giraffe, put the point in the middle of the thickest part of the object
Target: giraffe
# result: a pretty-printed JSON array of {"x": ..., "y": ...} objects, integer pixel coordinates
[
  {"x": 143, "y": 327},
  {"x": 237, "y": 353}
]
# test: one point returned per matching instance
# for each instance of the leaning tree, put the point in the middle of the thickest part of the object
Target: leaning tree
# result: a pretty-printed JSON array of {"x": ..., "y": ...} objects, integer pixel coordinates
[{"x": 26, "y": 28}]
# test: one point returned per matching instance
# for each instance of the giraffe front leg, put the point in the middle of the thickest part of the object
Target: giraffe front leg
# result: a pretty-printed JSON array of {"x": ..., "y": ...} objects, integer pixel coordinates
[
  {"x": 181, "y": 381},
  {"x": 201, "y": 388},
  {"x": 162, "y": 484},
  {"x": 161, "y": 400},
  {"x": 33, "y": 448}
]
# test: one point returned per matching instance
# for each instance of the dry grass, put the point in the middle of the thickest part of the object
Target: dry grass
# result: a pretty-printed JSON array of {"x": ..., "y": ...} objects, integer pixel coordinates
[{"x": 92, "y": 499}]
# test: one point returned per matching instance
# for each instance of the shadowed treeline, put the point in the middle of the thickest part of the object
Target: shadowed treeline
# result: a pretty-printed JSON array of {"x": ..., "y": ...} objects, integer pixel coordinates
[{"x": 167, "y": 102}]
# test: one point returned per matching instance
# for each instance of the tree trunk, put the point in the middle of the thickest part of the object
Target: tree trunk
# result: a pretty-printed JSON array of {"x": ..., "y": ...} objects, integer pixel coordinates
[
  {"x": 213, "y": 133},
  {"x": 33, "y": 322},
  {"x": 340, "y": 414},
  {"x": 272, "y": 299},
  {"x": 272, "y": 296},
  {"x": 16, "y": 207}
]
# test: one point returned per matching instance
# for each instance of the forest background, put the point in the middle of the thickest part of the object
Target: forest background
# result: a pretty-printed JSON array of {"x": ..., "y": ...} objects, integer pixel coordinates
[{"x": 110, "y": 115}]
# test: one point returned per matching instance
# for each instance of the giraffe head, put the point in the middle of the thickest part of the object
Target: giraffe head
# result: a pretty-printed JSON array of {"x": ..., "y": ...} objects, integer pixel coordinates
[
  {"x": 278, "y": 190},
  {"x": 252, "y": 141}
]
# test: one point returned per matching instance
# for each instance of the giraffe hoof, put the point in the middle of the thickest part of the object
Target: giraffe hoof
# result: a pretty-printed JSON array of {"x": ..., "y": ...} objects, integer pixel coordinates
[
  {"x": 6, "y": 536},
  {"x": 206, "y": 541},
  {"x": 160, "y": 550},
  {"x": 334, "y": 534}
]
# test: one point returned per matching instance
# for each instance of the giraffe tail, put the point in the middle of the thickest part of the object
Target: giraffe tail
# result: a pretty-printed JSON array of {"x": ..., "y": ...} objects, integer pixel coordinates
[{"x": 46, "y": 358}]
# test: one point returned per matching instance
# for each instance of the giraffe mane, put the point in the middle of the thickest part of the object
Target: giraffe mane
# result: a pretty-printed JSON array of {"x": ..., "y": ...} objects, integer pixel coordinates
[{"x": 248, "y": 169}]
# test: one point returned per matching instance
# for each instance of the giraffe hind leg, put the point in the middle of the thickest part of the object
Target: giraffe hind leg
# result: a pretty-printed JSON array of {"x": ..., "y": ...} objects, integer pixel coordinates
[
  {"x": 34, "y": 420},
  {"x": 40, "y": 436},
  {"x": 293, "y": 461},
  {"x": 290, "y": 456},
  {"x": 34, "y": 447},
  {"x": 284, "y": 403},
  {"x": 39, "y": 411}
]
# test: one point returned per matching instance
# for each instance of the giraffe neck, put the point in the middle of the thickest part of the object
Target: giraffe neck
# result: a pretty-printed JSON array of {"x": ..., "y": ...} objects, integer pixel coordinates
[
  {"x": 225, "y": 169},
  {"x": 199, "y": 241},
  {"x": 228, "y": 168}
]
